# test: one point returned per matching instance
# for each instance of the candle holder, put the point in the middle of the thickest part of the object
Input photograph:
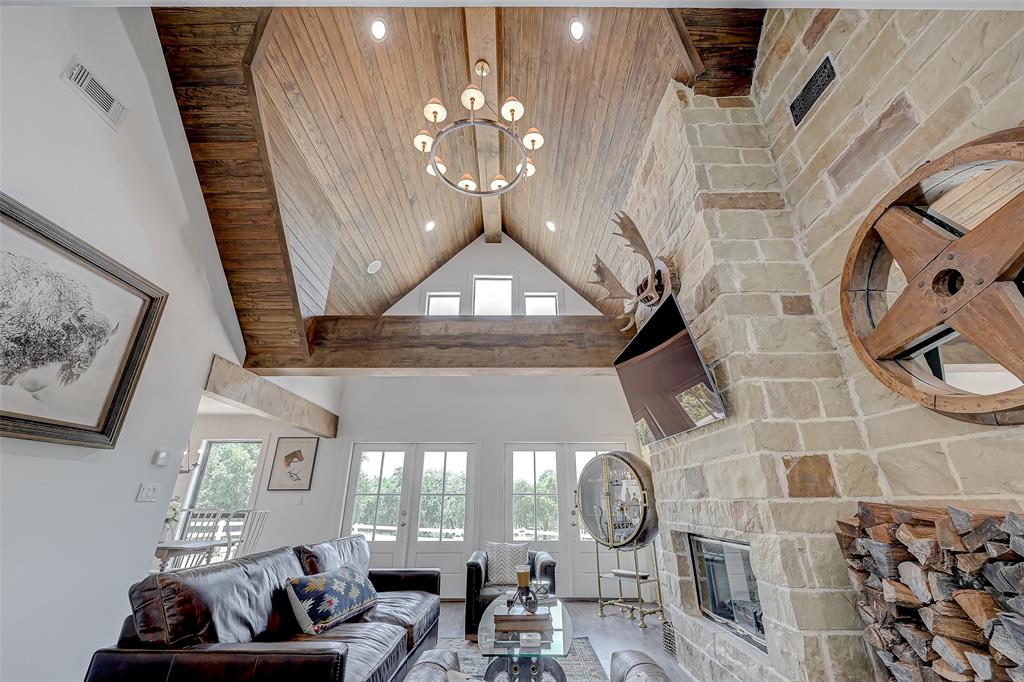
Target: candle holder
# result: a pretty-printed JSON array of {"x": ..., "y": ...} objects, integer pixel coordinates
[{"x": 525, "y": 596}]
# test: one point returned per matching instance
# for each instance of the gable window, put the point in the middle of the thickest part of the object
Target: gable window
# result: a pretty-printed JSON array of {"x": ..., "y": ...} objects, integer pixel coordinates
[
  {"x": 443, "y": 496},
  {"x": 443, "y": 303},
  {"x": 540, "y": 303},
  {"x": 492, "y": 295},
  {"x": 534, "y": 495},
  {"x": 226, "y": 475}
]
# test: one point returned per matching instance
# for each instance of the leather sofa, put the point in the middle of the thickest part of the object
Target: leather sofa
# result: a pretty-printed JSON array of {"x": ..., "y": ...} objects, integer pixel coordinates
[
  {"x": 479, "y": 594},
  {"x": 631, "y": 662},
  {"x": 233, "y": 621}
]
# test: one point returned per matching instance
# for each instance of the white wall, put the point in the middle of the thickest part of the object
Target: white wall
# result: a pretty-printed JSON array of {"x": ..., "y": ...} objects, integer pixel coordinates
[
  {"x": 73, "y": 539},
  {"x": 481, "y": 258}
]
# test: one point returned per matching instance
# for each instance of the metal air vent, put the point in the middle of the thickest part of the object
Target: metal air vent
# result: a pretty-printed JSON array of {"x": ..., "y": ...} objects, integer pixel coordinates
[
  {"x": 812, "y": 90},
  {"x": 79, "y": 78}
]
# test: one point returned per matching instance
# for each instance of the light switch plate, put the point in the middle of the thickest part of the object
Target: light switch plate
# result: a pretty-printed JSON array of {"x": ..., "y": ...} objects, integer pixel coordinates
[
  {"x": 160, "y": 458},
  {"x": 148, "y": 492}
]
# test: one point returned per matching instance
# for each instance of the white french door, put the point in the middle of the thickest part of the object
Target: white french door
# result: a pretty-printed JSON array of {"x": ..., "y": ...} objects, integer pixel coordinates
[
  {"x": 410, "y": 502},
  {"x": 541, "y": 509}
]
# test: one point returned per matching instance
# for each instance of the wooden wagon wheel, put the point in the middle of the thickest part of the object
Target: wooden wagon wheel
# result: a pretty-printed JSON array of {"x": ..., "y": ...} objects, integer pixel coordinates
[{"x": 960, "y": 282}]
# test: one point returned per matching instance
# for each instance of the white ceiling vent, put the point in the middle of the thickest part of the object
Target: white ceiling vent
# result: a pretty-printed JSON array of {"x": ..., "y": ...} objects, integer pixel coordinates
[{"x": 80, "y": 79}]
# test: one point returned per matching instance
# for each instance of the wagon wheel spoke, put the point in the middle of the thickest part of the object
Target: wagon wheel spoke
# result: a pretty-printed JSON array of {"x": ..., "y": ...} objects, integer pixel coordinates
[
  {"x": 995, "y": 248},
  {"x": 908, "y": 319},
  {"x": 913, "y": 240},
  {"x": 994, "y": 322}
]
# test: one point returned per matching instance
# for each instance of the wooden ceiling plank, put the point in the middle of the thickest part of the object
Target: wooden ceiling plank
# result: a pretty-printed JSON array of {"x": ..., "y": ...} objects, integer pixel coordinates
[{"x": 482, "y": 43}]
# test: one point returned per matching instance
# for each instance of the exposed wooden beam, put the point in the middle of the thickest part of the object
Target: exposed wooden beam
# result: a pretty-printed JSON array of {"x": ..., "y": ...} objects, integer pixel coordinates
[
  {"x": 407, "y": 344},
  {"x": 236, "y": 386},
  {"x": 692, "y": 66},
  {"x": 482, "y": 43}
]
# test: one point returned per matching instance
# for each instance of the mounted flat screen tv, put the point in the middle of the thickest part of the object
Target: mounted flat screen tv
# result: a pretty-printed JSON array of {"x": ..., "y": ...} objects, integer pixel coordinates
[{"x": 667, "y": 386}]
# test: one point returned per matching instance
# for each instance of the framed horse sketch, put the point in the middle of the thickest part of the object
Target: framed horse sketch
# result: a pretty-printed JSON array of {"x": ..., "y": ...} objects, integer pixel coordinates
[
  {"x": 75, "y": 329},
  {"x": 292, "y": 466}
]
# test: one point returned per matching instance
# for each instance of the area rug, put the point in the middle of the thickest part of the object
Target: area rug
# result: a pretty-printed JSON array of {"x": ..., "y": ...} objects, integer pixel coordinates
[{"x": 581, "y": 665}]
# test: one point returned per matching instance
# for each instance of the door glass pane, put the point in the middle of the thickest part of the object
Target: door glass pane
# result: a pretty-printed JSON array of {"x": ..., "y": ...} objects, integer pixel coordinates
[
  {"x": 391, "y": 473},
  {"x": 523, "y": 519},
  {"x": 430, "y": 518},
  {"x": 522, "y": 472},
  {"x": 547, "y": 517},
  {"x": 443, "y": 304},
  {"x": 363, "y": 513},
  {"x": 455, "y": 472},
  {"x": 227, "y": 475},
  {"x": 546, "y": 480},
  {"x": 433, "y": 472},
  {"x": 454, "y": 518},
  {"x": 369, "y": 473},
  {"x": 492, "y": 296},
  {"x": 387, "y": 518},
  {"x": 582, "y": 457},
  {"x": 540, "y": 304}
]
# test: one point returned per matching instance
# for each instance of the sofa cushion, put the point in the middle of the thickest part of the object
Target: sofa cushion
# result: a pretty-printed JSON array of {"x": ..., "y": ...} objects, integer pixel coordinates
[
  {"x": 492, "y": 592},
  {"x": 233, "y": 601},
  {"x": 415, "y": 611},
  {"x": 433, "y": 666},
  {"x": 375, "y": 650},
  {"x": 332, "y": 554},
  {"x": 323, "y": 600}
]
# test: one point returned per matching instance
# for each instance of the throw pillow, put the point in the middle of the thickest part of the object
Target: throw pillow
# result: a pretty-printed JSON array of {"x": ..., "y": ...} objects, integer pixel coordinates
[
  {"x": 323, "y": 600},
  {"x": 502, "y": 559}
]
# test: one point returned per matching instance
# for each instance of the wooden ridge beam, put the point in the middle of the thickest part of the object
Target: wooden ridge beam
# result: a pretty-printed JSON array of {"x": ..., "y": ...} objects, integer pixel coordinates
[
  {"x": 692, "y": 66},
  {"x": 419, "y": 345},
  {"x": 482, "y": 43},
  {"x": 236, "y": 386}
]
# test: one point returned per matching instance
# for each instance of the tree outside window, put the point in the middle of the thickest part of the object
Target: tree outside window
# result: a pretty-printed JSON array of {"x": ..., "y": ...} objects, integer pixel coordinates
[
  {"x": 534, "y": 495},
  {"x": 227, "y": 475}
]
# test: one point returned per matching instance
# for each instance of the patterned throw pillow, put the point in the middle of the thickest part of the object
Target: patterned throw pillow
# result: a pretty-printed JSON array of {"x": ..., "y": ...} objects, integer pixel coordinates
[
  {"x": 323, "y": 600},
  {"x": 502, "y": 559}
]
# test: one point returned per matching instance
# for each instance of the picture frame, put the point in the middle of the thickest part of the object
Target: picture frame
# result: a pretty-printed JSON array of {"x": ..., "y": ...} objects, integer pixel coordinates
[
  {"x": 293, "y": 463},
  {"x": 76, "y": 327}
]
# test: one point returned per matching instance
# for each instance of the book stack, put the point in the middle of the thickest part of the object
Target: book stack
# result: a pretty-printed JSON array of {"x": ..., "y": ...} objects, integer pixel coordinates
[{"x": 518, "y": 619}]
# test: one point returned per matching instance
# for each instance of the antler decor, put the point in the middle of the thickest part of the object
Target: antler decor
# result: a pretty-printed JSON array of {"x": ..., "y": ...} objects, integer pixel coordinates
[{"x": 650, "y": 291}]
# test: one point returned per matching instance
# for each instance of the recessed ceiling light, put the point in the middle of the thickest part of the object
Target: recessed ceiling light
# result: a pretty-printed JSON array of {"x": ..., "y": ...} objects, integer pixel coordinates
[
  {"x": 378, "y": 29},
  {"x": 551, "y": 226},
  {"x": 373, "y": 268},
  {"x": 429, "y": 227},
  {"x": 576, "y": 30}
]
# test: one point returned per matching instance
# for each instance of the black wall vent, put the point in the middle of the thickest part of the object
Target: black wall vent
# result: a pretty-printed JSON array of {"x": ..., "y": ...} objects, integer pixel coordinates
[{"x": 812, "y": 90}]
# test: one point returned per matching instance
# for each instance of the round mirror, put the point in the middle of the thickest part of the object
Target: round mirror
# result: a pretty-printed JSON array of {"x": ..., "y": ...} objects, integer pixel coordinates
[{"x": 615, "y": 499}]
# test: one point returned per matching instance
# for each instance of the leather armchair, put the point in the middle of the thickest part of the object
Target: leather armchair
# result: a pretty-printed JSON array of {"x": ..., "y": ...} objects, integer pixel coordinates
[
  {"x": 479, "y": 595},
  {"x": 632, "y": 662}
]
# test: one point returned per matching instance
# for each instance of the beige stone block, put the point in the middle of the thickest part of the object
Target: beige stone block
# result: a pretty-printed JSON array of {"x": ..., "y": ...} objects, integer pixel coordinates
[
  {"x": 702, "y": 177},
  {"x": 694, "y": 484},
  {"x": 797, "y": 656},
  {"x": 835, "y": 398},
  {"x": 792, "y": 399},
  {"x": 835, "y": 143},
  {"x": 743, "y": 478},
  {"x": 779, "y": 249},
  {"x": 825, "y": 609},
  {"x": 745, "y": 399},
  {"x": 831, "y": 435},
  {"x": 849, "y": 210},
  {"x": 778, "y": 436},
  {"x": 733, "y": 135},
  {"x": 756, "y": 156},
  {"x": 780, "y": 47},
  {"x": 1003, "y": 112},
  {"x": 813, "y": 204},
  {"x": 770, "y": 277},
  {"x": 809, "y": 516},
  {"x": 698, "y": 116},
  {"x": 848, "y": 657},
  {"x": 791, "y": 334},
  {"x": 743, "y": 177},
  {"x": 871, "y": 30},
  {"x": 915, "y": 425},
  {"x": 785, "y": 366},
  {"x": 809, "y": 476},
  {"x": 744, "y": 116},
  {"x": 990, "y": 465},
  {"x": 777, "y": 559},
  {"x": 746, "y": 516},
  {"x": 1004, "y": 67},
  {"x": 925, "y": 140},
  {"x": 911, "y": 22},
  {"x": 717, "y": 155},
  {"x": 894, "y": 124},
  {"x": 710, "y": 445},
  {"x": 827, "y": 262},
  {"x": 872, "y": 396},
  {"x": 917, "y": 470},
  {"x": 704, "y": 102},
  {"x": 781, "y": 223},
  {"x": 796, "y": 305},
  {"x": 826, "y": 561},
  {"x": 692, "y": 135},
  {"x": 735, "y": 250},
  {"x": 856, "y": 474},
  {"x": 747, "y": 304}
]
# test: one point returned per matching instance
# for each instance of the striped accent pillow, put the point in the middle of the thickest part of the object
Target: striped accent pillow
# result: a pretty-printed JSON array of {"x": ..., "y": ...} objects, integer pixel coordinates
[{"x": 502, "y": 559}]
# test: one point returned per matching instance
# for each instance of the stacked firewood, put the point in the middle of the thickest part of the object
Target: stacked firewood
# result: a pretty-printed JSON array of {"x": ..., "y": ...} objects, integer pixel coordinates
[{"x": 941, "y": 590}]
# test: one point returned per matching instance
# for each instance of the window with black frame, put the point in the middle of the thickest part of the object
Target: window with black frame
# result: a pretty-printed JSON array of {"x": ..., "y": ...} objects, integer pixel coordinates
[{"x": 726, "y": 586}]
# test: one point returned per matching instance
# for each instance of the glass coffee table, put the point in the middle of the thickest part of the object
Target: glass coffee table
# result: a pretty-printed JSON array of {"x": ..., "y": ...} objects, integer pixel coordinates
[{"x": 521, "y": 662}]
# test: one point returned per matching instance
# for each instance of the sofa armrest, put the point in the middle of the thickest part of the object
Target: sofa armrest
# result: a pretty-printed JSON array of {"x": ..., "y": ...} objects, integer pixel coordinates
[
  {"x": 476, "y": 574},
  {"x": 630, "y": 661},
  {"x": 311, "y": 661},
  {"x": 544, "y": 567},
  {"x": 409, "y": 579}
]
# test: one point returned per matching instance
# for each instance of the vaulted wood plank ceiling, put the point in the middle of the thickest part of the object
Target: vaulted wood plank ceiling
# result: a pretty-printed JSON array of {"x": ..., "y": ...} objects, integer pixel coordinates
[{"x": 308, "y": 150}]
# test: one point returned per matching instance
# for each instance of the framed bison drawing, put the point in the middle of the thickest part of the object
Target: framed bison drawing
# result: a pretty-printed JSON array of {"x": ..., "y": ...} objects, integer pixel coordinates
[
  {"x": 292, "y": 466},
  {"x": 75, "y": 328}
]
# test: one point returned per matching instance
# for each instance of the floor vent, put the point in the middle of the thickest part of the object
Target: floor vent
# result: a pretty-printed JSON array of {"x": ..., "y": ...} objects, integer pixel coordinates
[
  {"x": 79, "y": 78},
  {"x": 812, "y": 90},
  {"x": 668, "y": 637}
]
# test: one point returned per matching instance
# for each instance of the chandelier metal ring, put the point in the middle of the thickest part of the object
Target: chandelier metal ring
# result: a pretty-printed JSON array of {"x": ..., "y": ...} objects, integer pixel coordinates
[{"x": 486, "y": 123}]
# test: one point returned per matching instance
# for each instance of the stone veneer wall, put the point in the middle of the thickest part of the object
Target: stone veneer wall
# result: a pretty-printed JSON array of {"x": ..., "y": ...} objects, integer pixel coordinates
[{"x": 757, "y": 218}]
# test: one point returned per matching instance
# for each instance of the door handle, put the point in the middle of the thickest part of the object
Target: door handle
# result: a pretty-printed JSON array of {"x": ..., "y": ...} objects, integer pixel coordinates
[{"x": 402, "y": 524}]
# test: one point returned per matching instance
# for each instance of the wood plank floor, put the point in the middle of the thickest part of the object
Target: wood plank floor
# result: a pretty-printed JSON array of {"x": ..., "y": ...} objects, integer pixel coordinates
[{"x": 608, "y": 634}]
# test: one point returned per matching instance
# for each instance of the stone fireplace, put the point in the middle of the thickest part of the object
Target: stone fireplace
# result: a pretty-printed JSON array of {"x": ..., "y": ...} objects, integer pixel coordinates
[{"x": 756, "y": 216}]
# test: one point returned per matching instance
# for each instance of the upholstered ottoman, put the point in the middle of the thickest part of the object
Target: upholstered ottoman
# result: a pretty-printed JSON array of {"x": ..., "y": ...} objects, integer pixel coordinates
[
  {"x": 630, "y": 662},
  {"x": 433, "y": 666}
]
